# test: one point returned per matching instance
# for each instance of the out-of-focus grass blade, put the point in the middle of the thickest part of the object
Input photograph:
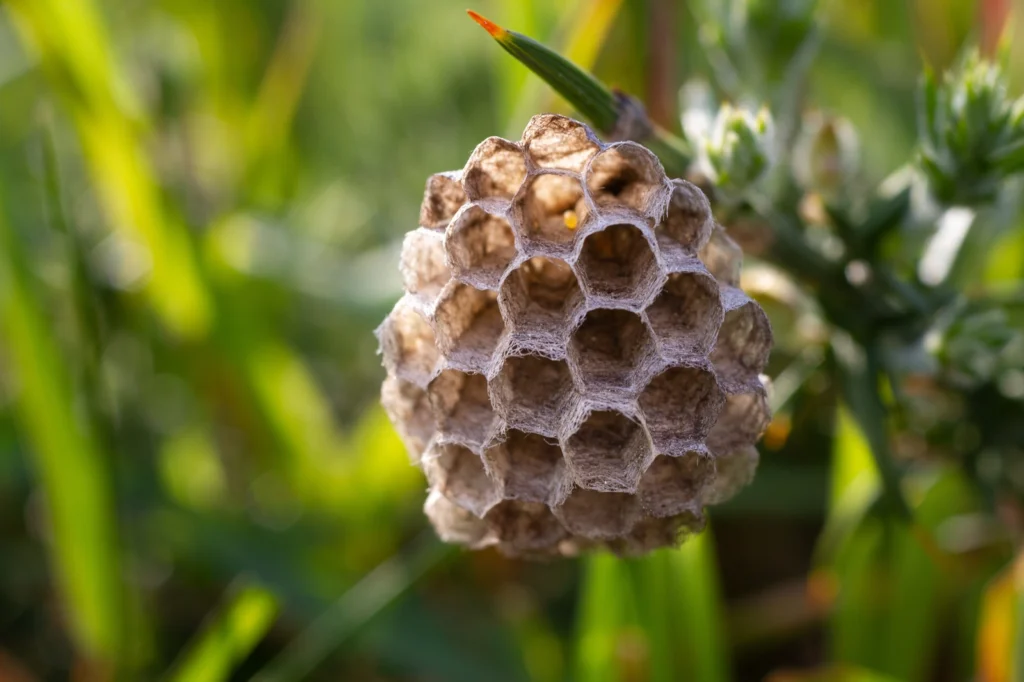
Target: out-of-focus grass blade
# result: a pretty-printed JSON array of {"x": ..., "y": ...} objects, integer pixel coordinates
[
  {"x": 353, "y": 610},
  {"x": 1000, "y": 639},
  {"x": 70, "y": 465},
  {"x": 697, "y": 606},
  {"x": 834, "y": 673},
  {"x": 605, "y": 598},
  {"x": 653, "y": 579},
  {"x": 228, "y": 638}
]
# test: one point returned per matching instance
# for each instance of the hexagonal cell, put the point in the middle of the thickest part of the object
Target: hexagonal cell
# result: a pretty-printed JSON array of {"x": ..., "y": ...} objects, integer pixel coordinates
[
  {"x": 735, "y": 471},
  {"x": 554, "y": 141},
  {"x": 408, "y": 345},
  {"x": 442, "y": 198},
  {"x": 548, "y": 210},
  {"x": 653, "y": 533},
  {"x": 610, "y": 348},
  {"x": 408, "y": 408},
  {"x": 617, "y": 264},
  {"x": 540, "y": 298},
  {"x": 686, "y": 315},
  {"x": 530, "y": 393},
  {"x": 460, "y": 475},
  {"x": 422, "y": 264},
  {"x": 524, "y": 527},
  {"x": 744, "y": 340},
  {"x": 742, "y": 422},
  {"x": 680, "y": 406},
  {"x": 722, "y": 256},
  {"x": 674, "y": 485},
  {"x": 527, "y": 467},
  {"x": 608, "y": 452},
  {"x": 688, "y": 223},
  {"x": 453, "y": 523},
  {"x": 480, "y": 247},
  {"x": 598, "y": 515},
  {"x": 626, "y": 175},
  {"x": 462, "y": 410},
  {"x": 494, "y": 172},
  {"x": 469, "y": 326}
]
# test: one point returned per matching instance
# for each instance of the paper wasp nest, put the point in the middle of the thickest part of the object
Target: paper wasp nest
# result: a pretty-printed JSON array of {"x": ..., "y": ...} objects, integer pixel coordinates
[{"x": 572, "y": 364}]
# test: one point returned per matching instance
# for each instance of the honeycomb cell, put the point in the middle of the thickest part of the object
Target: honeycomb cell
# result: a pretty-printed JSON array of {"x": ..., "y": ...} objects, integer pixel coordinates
[
  {"x": 598, "y": 515},
  {"x": 540, "y": 299},
  {"x": 525, "y": 527},
  {"x": 560, "y": 143},
  {"x": 627, "y": 176},
  {"x": 680, "y": 406},
  {"x": 734, "y": 472},
  {"x": 686, "y": 314},
  {"x": 527, "y": 467},
  {"x": 723, "y": 257},
  {"x": 675, "y": 485},
  {"x": 480, "y": 247},
  {"x": 742, "y": 421},
  {"x": 688, "y": 223},
  {"x": 548, "y": 210},
  {"x": 652, "y": 533},
  {"x": 494, "y": 173},
  {"x": 530, "y": 393},
  {"x": 469, "y": 326},
  {"x": 609, "y": 348},
  {"x": 408, "y": 408},
  {"x": 460, "y": 475},
  {"x": 462, "y": 410},
  {"x": 617, "y": 264},
  {"x": 442, "y": 198},
  {"x": 423, "y": 268},
  {"x": 408, "y": 345},
  {"x": 744, "y": 340},
  {"x": 453, "y": 523},
  {"x": 608, "y": 452}
]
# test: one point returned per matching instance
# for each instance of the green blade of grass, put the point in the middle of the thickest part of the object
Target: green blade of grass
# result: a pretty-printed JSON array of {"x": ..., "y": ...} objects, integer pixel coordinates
[
  {"x": 228, "y": 638},
  {"x": 652, "y": 582},
  {"x": 697, "y": 604},
  {"x": 602, "y": 613}
]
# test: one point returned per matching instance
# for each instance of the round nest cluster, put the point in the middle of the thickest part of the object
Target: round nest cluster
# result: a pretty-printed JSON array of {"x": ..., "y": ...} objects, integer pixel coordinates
[{"x": 573, "y": 364}]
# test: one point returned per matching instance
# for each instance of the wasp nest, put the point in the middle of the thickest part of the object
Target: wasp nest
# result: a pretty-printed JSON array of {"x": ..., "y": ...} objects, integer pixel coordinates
[{"x": 572, "y": 364}]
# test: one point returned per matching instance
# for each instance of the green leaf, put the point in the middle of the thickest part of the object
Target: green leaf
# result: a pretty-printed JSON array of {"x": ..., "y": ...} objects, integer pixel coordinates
[
  {"x": 605, "y": 599},
  {"x": 697, "y": 604}
]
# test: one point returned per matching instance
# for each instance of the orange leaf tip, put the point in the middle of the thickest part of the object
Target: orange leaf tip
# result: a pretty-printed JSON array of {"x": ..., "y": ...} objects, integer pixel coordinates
[{"x": 496, "y": 31}]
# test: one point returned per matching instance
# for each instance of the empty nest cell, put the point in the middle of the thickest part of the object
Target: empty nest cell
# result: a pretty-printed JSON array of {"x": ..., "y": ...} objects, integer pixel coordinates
[
  {"x": 628, "y": 176},
  {"x": 469, "y": 326},
  {"x": 609, "y": 348},
  {"x": 424, "y": 271},
  {"x": 744, "y": 339},
  {"x": 735, "y": 470},
  {"x": 608, "y": 452},
  {"x": 442, "y": 198},
  {"x": 674, "y": 485},
  {"x": 460, "y": 475},
  {"x": 652, "y": 533},
  {"x": 742, "y": 421},
  {"x": 548, "y": 210},
  {"x": 524, "y": 527},
  {"x": 494, "y": 172},
  {"x": 540, "y": 298},
  {"x": 408, "y": 345},
  {"x": 618, "y": 264},
  {"x": 453, "y": 523},
  {"x": 557, "y": 142},
  {"x": 686, "y": 314},
  {"x": 526, "y": 467},
  {"x": 688, "y": 222},
  {"x": 722, "y": 257},
  {"x": 680, "y": 405},
  {"x": 462, "y": 410},
  {"x": 408, "y": 407},
  {"x": 598, "y": 515},
  {"x": 480, "y": 247},
  {"x": 530, "y": 393}
]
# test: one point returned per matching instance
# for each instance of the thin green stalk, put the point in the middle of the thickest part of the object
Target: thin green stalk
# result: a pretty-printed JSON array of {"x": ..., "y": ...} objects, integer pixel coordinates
[{"x": 698, "y": 606}]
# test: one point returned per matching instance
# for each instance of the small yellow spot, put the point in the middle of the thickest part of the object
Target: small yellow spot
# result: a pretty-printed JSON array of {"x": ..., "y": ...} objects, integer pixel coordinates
[{"x": 570, "y": 219}]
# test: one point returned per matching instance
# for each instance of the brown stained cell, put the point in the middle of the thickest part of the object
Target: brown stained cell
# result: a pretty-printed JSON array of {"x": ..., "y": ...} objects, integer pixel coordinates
[
  {"x": 680, "y": 406},
  {"x": 549, "y": 210},
  {"x": 408, "y": 407},
  {"x": 408, "y": 345},
  {"x": 674, "y": 485},
  {"x": 617, "y": 264},
  {"x": 653, "y": 533},
  {"x": 423, "y": 268},
  {"x": 742, "y": 421},
  {"x": 480, "y": 247},
  {"x": 526, "y": 467},
  {"x": 442, "y": 198},
  {"x": 628, "y": 176},
  {"x": 469, "y": 326},
  {"x": 609, "y": 348},
  {"x": 530, "y": 393},
  {"x": 525, "y": 527},
  {"x": 557, "y": 142},
  {"x": 540, "y": 298},
  {"x": 734, "y": 472},
  {"x": 722, "y": 257},
  {"x": 460, "y": 475},
  {"x": 453, "y": 523},
  {"x": 598, "y": 515},
  {"x": 608, "y": 452},
  {"x": 688, "y": 222},
  {"x": 686, "y": 315},
  {"x": 744, "y": 340},
  {"x": 494, "y": 172},
  {"x": 462, "y": 410}
]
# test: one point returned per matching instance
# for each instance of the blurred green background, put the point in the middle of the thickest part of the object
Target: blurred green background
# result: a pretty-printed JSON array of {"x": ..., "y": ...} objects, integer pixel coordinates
[{"x": 201, "y": 208}]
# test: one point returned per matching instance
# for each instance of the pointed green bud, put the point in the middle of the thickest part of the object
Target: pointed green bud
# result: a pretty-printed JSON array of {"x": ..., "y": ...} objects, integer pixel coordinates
[
  {"x": 737, "y": 152},
  {"x": 827, "y": 155}
]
